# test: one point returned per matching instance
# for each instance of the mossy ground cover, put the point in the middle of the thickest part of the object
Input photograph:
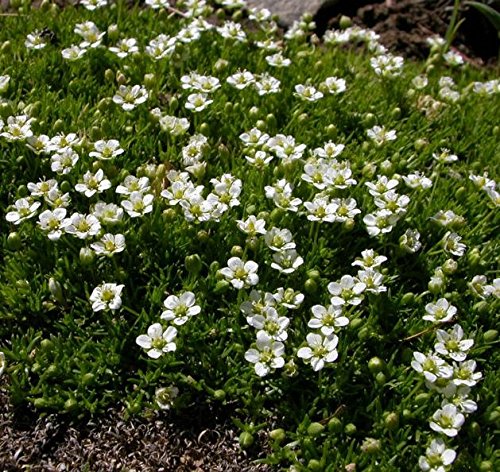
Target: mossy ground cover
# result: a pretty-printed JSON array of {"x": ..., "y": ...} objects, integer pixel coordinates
[{"x": 197, "y": 207}]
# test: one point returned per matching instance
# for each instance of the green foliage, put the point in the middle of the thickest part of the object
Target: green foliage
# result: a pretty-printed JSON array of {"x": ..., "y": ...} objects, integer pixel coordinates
[{"x": 368, "y": 406}]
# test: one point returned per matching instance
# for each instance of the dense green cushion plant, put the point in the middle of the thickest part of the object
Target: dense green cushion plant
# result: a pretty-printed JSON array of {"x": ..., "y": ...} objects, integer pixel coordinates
[{"x": 196, "y": 207}]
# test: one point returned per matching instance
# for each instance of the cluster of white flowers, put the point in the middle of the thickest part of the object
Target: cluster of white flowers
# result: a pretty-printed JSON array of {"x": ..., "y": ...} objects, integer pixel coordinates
[
  {"x": 448, "y": 372},
  {"x": 266, "y": 313},
  {"x": 160, "y": 339},
  {"x": 391, "y": 206}
]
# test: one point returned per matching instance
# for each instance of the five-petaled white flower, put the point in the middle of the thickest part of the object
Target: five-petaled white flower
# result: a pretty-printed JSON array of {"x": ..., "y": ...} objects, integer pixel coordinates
[
  {"x": 241, "y": 274},
  {"x": 437, "y": 457},
  {"x": 105, "y": 150},
  {"x": 328, "y": 319},
  {"x": 440, "y": 312},
  {"x": 158, "y": 341},
  {"x": 321, "y": 350},
  {"x": 268, "y": 355},
  {"x": 129, "y": 97},
  {"x": 106, "y": 296},
  {"x": 180, "y": 308},
  {"x": 447, "y": 420},
  {"x": 25, "y": 208}
]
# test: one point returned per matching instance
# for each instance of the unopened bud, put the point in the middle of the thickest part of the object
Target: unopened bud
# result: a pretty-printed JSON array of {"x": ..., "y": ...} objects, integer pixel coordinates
[{"x": 56, "y": 290}]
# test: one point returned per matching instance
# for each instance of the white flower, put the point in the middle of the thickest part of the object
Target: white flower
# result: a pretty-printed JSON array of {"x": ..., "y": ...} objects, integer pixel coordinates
[
  {"x": 64, "y": 161},
  {"x": 279, "y": 239},
  {"x": 329, "y": 151},
  {"x": 180, "y": 308},
  {"x": 348, "y": 290},
  {"x": 25, "y": 208},
  {"x": 93, "y": 4},
  {"x": 157, "y": 341},
  {"x": 267, "y": 84},
  {"x": 334, "y": 85},
  {"x": 288, "y": 298},
  {"x": 445, "y": 156},
  {"x": 257, "y": 303},
  {"x": 109, "y": 244},
  {"x": 447, "y": 420},
  {"x": 106, "y": 296},
  {"x": 82, "y": 226},
  {"x": 380, "y": 222},
  {"x": 269, "y": 322},
  {"x": 448, "y": 218},
  {"x": 346, "y": 209},
  {"x": 453, "y": 58},
  {"x": 124, "y": 47},
  {"x": 451, "y": 343},
  {"x": 381, "y": 186},
  {"x": 197, "y": 102},
  {"x": 268, "y": 355},
  {"x": 18, "y": 128},
  {"x": 307, "y": 92},
  {"x": 321, "y": 209},
  {"x": 463, "y": 373},
  {"x": 459, "y": 396},
  {"x": 91, "y": 35},
  {"x": 165, "y": 396},
  {"x": 286, "y": 261},
  {"x": 161, "y": 47},
  {"x": 105, "y": 150},
  {"x": 417, "y": 181},
  {"x": 73, "y": 53},
  {"x": 232, "y": 30},
  {"x": 440, "y": 312},
  {"x": 254, "y": 138},
  {"x": 327, "y": 319},
  {"x": 62, "y": 142},
  {"x": 432, "y": 367},
  {"x": 51, "y": 222},
  {"x": 241, "y": 79},
  {"x": 93, "y": 183},
  {"x": 321, "y": 350},
  {"x": 252, "y": 226},
  {"x": 108, "y": 213},
  {"x": 3, "y": 363},
  {"x": 437, "y": 457},
  {"x": 129, "y": 97},
  {"x": 410, "y": 241},
  {"x": 277, "y": 60},
  {"x": 241, "y": 274},
  {"x": 373, "y": 280},
  {"x": 157, "y": 4},
  {"x": 131, "y": 183},
  {"x": 4, "y": 83},
  {"x": 369, "y": 259},
  {"x": 379, "y": 135},
  {"x": 387, "y": 65},
  {"x": 452, "y": 244},
  {"x": 35, "y": 40},
  {"x": 138, "y": 204}
]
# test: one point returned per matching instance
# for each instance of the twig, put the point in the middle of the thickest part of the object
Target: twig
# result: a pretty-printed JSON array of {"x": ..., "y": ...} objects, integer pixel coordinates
[{"x": 177, "y": 12}]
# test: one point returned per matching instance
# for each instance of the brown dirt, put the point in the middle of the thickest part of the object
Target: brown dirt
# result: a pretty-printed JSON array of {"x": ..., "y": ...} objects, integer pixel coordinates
[
  {"x": 203, "y": 441},
  {"x": 404, "y": 26}
]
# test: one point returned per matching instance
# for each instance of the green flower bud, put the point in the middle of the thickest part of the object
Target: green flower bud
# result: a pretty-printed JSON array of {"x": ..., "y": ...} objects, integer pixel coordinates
[
  {"x": 461, "y": 193},
  {"x": 334, "y": 425},
  {"x": 276, "y": 215},
  {"x": 386, "y": 167},
  {"x": 407, "y": 298},
  {"x": 219, "y": 394},
  {"x": 236, "y": 251},
  {"x": 482, "y": 307},
  {"x": 474, "y": 257},
  {"x": 475, "y": 429},
  {"x": 46, "y": 345},
  {"x": 422, "y": 398},
  {"x": 58, "y": 126},
  {"x": 56, "y": 290},
  {"x": 369, "y": 170},
  {"x": 40, "y": 403},
  {"x": 420, "y": 144},
  {"x": 113, "y": 32},
  {"x": 396, "y": 113},
  {"x": 345, "y": 22},
  {"x": 193, "y": 264},
  {"x": 303, "y": 117},
  {"x": 120, "y": 78},
  {"x": 493, "y": 417},
  {"x": 450, "y": 266},
  {"x": 331, "y": 131},
  {"x": 261, "y": 125},
  {"x": 254, "y": 112},
  {"x": 221, "y": 286},
  {"x": 221, "y": 65},
  {"x": 36, "y": 367},
  {"x": 86, "y": 256},
  {"x": 310, "y": 286},
  {"x": 277, "y": 435},
  {"x": 51, "y": 370},
  {"x": 228, "y": 108},
  {"x": 486, "y": 466},
  {"x": 271, "y": 121},
  {"x": 391, "y": 421},
  {"x": 350, "y": 429},
  {"x": 88, "y": 378},
  {"x": 246, "y": 440},
  {"x": 407, "y": 414},
  {"x": 6, "y": 45},
  {"x": 149, "y": 80},
  {"x": 14, "y": 242},
  {"x": 314, "y": 465},
  {"x": 369, "y": 120},
  {"x": 436, "y": 285},
  {"x": 314, "y": 429},
  {"x": 381, "y": 379},
  {"x": 313, "y": 274},
  {"x": 348, "y": 224},
  {"x": 370, "y": 446},
  {"x": 490, "y": 335},
  {"x": 363, "y": 333},
  {"x": 376, "y": 365},
  {"x": 109, "y": 75},
  {"x": 70, "y": 404}
]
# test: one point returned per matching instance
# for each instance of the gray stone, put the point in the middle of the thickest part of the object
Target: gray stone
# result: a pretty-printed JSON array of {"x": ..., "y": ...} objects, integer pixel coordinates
[{"x": 290, "y": 10}]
